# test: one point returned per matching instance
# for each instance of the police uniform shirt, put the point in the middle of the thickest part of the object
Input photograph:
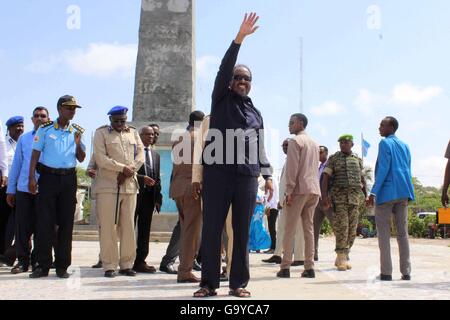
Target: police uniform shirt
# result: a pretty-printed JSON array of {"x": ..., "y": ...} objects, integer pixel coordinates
[
  {"x": 19, "y": 172},
  {"x": 3, "y": 155},
  {"x": 113, "y": 151},
  {"x": 57, "y": 146}
]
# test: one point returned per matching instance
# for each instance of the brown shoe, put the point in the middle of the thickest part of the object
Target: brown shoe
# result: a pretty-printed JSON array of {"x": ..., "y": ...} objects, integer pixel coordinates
[
  {"x": 144, "y": 268},
  {"x": 190, "y": 279}
]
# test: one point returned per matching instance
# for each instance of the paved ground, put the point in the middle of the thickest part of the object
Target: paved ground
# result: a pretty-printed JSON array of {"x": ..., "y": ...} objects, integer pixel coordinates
[{"x": 430, "y": 277}]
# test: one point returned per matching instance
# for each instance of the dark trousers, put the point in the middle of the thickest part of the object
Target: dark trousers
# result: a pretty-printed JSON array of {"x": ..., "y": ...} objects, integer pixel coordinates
[
  {"x": 220, "y": 189},
  {"x": 6, "y": 223},
  {"x": 143, "y": 220},
  {"x": 56, "y": 206},
  {"x": 272, "y": 220},
  {"x": 319, "y": 215},
  {"x": 26, "y": 205},
  {"x": 173, "y": 249}
]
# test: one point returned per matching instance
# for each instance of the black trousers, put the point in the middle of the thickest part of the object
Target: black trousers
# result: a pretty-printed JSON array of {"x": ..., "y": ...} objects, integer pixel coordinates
[
  {"x": 143, "y": 220},
  {"x": 26, "y": 211},
  {"x": 56, "y": 206},
  {"x": 6, "y": 224},
  {"x": 220, "y": 189},
  {"x": 272, "y": 220},
  {"x": 173, "y": 249}
]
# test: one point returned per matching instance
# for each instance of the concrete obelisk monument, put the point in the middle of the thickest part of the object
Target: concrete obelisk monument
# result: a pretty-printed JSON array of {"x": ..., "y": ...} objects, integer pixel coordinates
[
  {"x": 165, "y": 73},
  {"x": 165, "y": 69}
]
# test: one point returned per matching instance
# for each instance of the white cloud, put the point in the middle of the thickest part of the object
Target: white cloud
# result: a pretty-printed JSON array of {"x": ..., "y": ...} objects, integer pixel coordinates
[
  {"x": 429, "y": 170},
  {"x": 328, "y": 108},
  {"x": 408, "y": 94},
  {"x": 207, "y": 66},
  {"x": 98, "y": 59},
  {"x": 103, "y": 59},
  {"x": 367, "y": 101},
  {"x": 45, "y": 65}
]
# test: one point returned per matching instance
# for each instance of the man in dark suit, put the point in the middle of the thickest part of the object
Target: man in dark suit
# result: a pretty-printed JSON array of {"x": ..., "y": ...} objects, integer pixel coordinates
[
  {"x": 231, "y": 170},
  {"x": 149, "y": 198}
]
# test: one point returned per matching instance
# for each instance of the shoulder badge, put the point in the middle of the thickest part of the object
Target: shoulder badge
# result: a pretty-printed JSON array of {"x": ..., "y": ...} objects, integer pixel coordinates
[
  {"x": 47, "y": 124},
  {"x": 78, "y": 128}
]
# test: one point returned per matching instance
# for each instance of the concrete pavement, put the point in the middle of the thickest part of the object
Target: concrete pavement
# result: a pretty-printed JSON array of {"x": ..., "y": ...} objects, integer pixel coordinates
[{"x": 430, "y": 277}]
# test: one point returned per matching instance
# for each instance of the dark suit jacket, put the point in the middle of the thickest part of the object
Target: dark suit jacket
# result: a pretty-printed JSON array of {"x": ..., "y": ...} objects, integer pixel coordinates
[{"x": 156, "y": 189}]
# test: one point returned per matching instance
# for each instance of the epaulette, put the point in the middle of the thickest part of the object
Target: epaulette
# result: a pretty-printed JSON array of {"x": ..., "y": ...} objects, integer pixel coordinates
[
  {"x": 47, "y": 124},
  {"x": 78, "y": 128},
  {"x": 131, "y": 127}
]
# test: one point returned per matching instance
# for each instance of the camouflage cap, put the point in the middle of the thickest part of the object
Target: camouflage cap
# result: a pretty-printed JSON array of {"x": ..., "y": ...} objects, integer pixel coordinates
[{"x": 348, "y": 137}]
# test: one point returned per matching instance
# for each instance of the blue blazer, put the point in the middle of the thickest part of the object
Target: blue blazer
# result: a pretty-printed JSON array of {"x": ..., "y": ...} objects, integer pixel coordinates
[{"x": 393, "y": 180}]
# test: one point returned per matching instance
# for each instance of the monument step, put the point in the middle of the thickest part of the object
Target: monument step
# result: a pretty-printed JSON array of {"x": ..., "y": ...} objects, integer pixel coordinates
[{"x": 90, "y": 235}]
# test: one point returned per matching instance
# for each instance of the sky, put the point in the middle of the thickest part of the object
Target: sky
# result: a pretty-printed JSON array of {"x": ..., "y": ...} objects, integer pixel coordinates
[{"x": 362, "y": 60}]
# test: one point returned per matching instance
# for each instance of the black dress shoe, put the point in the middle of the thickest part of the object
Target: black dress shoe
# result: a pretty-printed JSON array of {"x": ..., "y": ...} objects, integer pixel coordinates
[
  {"x": 197, "y": 266},
  {"x": 128, "y": 272},
  {"x": 406, "y": 277},
  {"x": 168, "y": 269},
  {"x": 39, "y": 273},
  {"x": 297, "y": 263},
  {"x": 62, "y": 273},
  {"x": 273, "y": 259},
  {"x": 98, "y": 265},
  {"x": 284, "y": 273},
  {"x": 308, "y": 274},
  {"x": 110, "y": 273},
  {"x": 144, "y": 268},
  {"x": 19, "y": 268},
  {"x": 385, "y": 277},
  {"x": 316, "y": 258}
]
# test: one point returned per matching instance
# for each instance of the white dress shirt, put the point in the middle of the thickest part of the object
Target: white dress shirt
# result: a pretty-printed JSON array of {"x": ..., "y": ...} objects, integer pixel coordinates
[
  {"x": 10, "y": 150},
  {"x": 3, "y": 154}
]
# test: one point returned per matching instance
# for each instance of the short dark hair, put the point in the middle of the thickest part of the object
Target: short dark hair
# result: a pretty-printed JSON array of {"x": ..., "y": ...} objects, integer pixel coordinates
[
  {"x": 196, "y": 115},
  {"x": 153, "y": 125},
  {"x": 40, "y": 108},
  {"x": 324, "y": 148},
  {"x": 302, "y": 118},
  {"x": 393, "y": 122},
  {"x": 242, "y": 66}
]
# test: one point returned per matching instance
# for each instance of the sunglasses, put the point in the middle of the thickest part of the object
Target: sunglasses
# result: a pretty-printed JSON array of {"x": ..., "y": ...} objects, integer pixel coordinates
[
  {"x": 119, "y": 121},
  {"x": 239, "y": 77},
  {"x": 42, "y": 116}
]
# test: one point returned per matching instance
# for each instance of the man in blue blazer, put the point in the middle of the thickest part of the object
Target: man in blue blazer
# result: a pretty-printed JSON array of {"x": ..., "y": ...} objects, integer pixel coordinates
[{"x": 391, "y": 192}]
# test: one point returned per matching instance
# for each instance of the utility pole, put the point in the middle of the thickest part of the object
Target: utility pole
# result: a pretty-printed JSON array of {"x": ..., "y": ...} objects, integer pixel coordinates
[{"x": 301, "y": 75}]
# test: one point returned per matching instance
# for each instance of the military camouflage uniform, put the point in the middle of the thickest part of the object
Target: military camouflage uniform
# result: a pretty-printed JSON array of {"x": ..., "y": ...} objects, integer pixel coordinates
[{"x": 346, "y": 187}]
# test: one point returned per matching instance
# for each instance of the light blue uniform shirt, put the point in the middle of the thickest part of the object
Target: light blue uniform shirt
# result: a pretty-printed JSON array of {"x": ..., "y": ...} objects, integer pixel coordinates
[
  {"x": 57, "y": 146},
  {"x": 20, "y": 168}
]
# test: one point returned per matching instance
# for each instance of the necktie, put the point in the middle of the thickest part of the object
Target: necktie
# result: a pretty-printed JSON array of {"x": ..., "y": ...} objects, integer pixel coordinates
[{"x": 148, "y": 167}]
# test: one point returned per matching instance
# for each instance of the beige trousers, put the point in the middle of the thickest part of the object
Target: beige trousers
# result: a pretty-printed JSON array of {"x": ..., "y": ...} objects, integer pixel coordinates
[
  {"x": 109, "y": 250},
  {"x": 190, "y": 213},
  {"x": 302, "y": 207}
]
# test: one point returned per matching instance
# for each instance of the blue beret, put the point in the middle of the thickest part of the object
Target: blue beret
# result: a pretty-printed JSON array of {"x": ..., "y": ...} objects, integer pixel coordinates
[
  {"x": 14, "y": 120},
  {"x": 117, "y": 110}
]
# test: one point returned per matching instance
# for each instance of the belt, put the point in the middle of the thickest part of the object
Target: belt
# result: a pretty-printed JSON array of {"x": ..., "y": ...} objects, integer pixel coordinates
[{"x": 41, "y": 168}]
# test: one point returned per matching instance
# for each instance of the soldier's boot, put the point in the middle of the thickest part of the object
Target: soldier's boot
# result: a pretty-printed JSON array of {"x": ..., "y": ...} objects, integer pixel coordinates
[
  {"x": 341, "y": 262},
  {"x": 349, "y": 266}
]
